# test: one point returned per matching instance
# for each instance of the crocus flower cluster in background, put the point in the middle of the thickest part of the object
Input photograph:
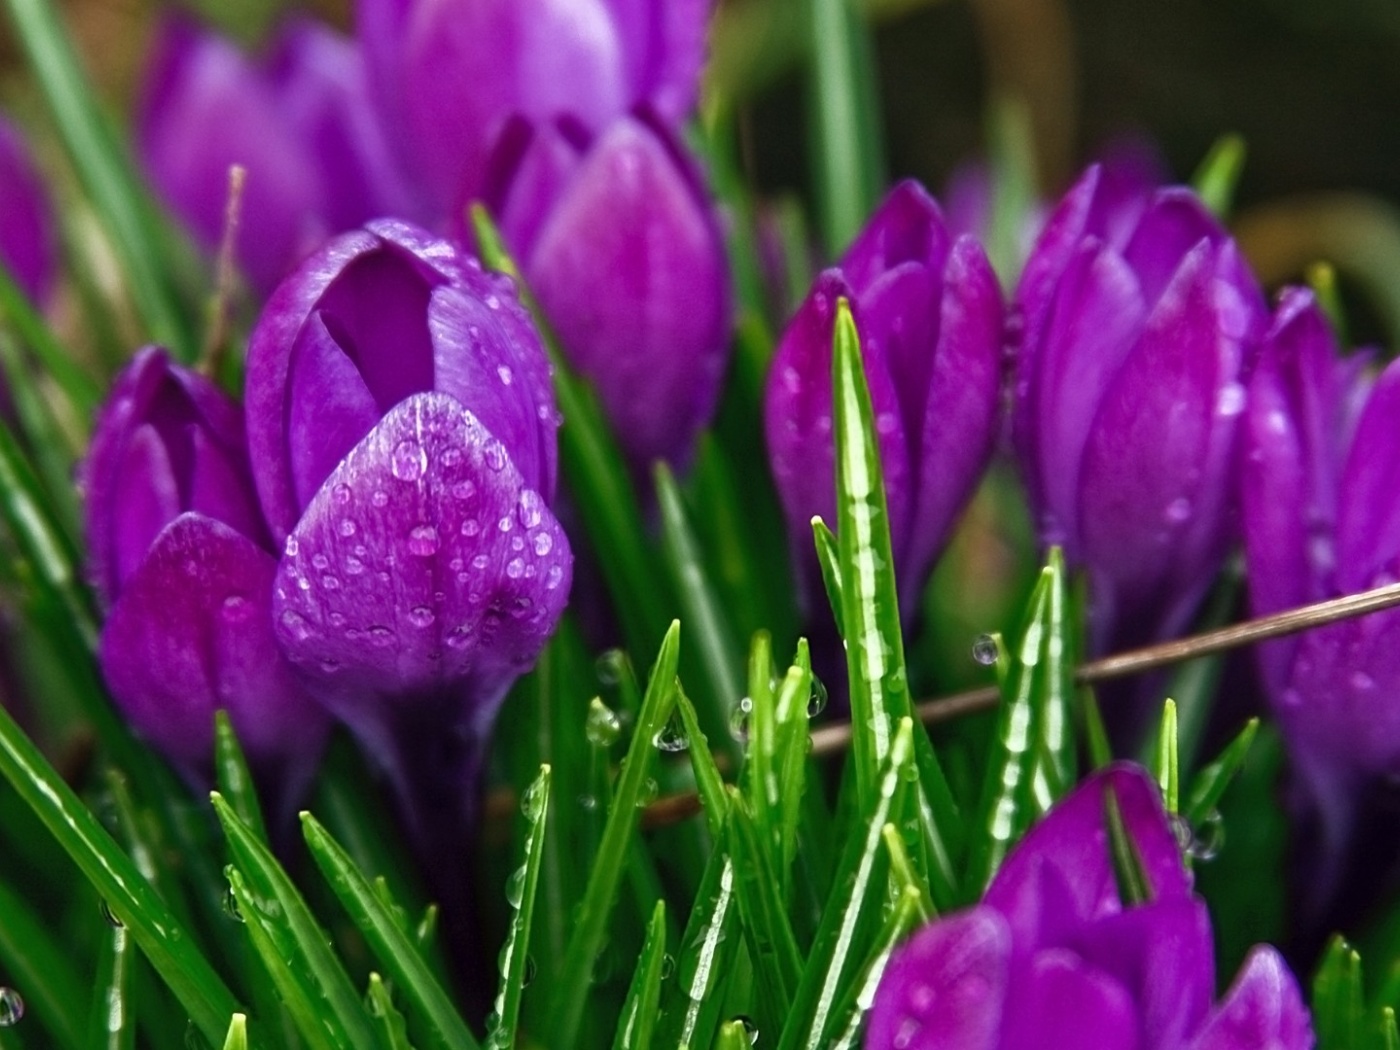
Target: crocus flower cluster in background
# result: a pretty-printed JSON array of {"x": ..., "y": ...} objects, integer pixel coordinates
[
  {"x": 1055, "y": 957},
  {"x": 387, "y": 549},
  {"x": 26, "y": 234}
]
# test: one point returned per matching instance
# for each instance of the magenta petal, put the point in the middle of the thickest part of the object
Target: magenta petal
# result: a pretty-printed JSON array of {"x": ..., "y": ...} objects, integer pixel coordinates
[
  {"x": 1072, "y": 840},
  {"x": 1368, "y": 519},
  {"x": 423, "y": 565},
  {"x": 26, "y": 234},
  {"x": 1262, "y": 1011},
  {"x": 663, "y": 46},
  {"x": 945, "y": 988},
  {"x": 530, "y": 169},
  {"x": 191, "y": 634},
  {"x": 907, "y": 227},
  {"x": 631, "y": 271},
  {"x": 1174, "y": 222},
  {"x": 1071, "y": 1006}
]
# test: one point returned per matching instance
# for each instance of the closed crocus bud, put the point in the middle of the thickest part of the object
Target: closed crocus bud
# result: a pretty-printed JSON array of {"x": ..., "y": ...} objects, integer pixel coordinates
[
  {"x": 1053, "y": 956},
  {"x": 619, "y": 240},
  {"x": 180, "y": 555},
  {"x": 300, "y": 123},
  {"x": 1138, "y": 323},
  {"x": 1321, "y": 469},
  {"x": 929, "y": 313},
  {"x": 26, "y": 237},
  {"x": 448, "y": 74},
  {"x": 402, "y": 430}
]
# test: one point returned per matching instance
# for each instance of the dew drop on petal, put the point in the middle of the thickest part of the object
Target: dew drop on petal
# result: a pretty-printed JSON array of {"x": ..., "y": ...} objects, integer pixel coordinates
[
  {"x": 291, "y": 547},
  {"x": 471, "y": 527},
  {"x": 380, "y": 498},
  {"x": 347, "y": 527},
  {"x": 530, "y": 510},
  {"x": 423, "y": 541},
  {"x": 421, "y": 616},
  {"x": 341, "y": 493},
  {"x": 515, "y": 568},
  {"x": 408, "y": 461},
  {"x": 495, "y": 456},
  {"x": 544, "y": 543}
]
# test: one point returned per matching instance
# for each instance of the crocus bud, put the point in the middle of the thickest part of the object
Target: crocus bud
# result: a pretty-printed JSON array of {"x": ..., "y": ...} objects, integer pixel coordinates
[
  {"x": 449, "y": 74},
  {"x": 1138, "y": 322},
  {"x": 1053, "y": 956},
  {"x": 299, "y": 121},
  {"x": 1321, "y": 469},
  {"x": 26, "y": 239},
  {"x": 179, "y": 553},
  {"x": 619, "y": 241},
  {"x": 929, "y": 313},
  {"x": 402, "y": 430}
]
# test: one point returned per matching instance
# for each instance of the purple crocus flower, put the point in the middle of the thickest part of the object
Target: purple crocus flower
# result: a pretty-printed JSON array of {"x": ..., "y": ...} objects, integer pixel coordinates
[
  {"x": 1321, "y": 469},
  {"x": 619, "y": 240},
  {"x": 448, "y": 74},
  {"x": 1053, "y": 957},
  {"x": 402, "y": 430},
  {"x": 929, "y": 312},
  {"x": 26, "y": 236},
  {"x": 182, "y": 560},
  {"x": 1138, "y": 321},
  {"x": 299, "y": 120}
]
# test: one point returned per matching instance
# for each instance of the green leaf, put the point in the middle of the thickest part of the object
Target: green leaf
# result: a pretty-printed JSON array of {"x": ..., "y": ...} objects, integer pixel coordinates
[
  {"x": 907, "y": 913},
  {"x": 1167, "y": 771},
  {"x": 390, "y": 944},
  {"x": 590, "y": 929},
  {"x": 829, "y": 558},
  {"x": 1219, "y": 173},
  {"x": 1014, "y": 191},
  {"x": 706, "y": 623},
  {"x": 233, "y": 777},
  {"x": 33, "y": 959},
  {"x": 105, "y": 172},
  {"x": 1209, "y": 784},
  {"x": 1389, "y": 1034},
  {"x": 52, "y": 453},
  {"x": 848, "y": 927},
  {"x": 1100, "y": 753},
  {"x": 708, "y": 781},
  {"x": 278, "y": 906},
  {"x": 237, "y": 1038},
  {"x": 639, "y": 1010},
  {"x": 111, "y": 1025},
  {"x": 520, "y": 893},
  {"x": 33, "y": 331},
  {"x": 1339, "y": 1016},
  {"x": 902, "y": 873},
  {"x": 1128, "y": 870},
  {"x": 844, "y": 118},
  {"x": 393, "y": 1030},
  {"x": 116, "y": 879},
  {"x": 1322, "y": 279}
]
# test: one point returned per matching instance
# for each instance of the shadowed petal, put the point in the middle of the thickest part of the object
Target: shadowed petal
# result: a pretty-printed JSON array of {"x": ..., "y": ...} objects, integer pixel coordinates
[
  {"x": 1071, "y": 1006},
  {"x": 1368, "y": 519},
  {"x": 26, "y": 234}
]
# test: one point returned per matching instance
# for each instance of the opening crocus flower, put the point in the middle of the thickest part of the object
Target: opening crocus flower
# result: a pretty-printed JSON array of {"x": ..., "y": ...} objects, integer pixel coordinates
[
  {"x": 929, "y": 312},
  {"x": 448, "y": 74},
  {"x": 299, "y": 121},
  {"x": 180, "y": 554},
  {"x": 402, "y": 429},
  {"x": 1139, "y": 319},
  {"x": 26, "y": 235},
  {"x": 619, "y": 240},
  {"x": 1054, "y": 957}
]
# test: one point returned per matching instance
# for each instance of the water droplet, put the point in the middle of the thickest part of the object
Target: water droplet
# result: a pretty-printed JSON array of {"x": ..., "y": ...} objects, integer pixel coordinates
[
  {"x": 231, "y": 908},
  {"x": 505, "y": 524},
  {"x": 452, "y": 457},
  {"x": 672, "y": 736},
  {"x": 986, "y": 649},
  {"x": 336, "y": 619},
  {"x": 530, "y": 509},
  {"x": 11, "y": 1007},
  {"x": 408, "y": 461},
  {"x": 739, "y": 719},
  {"x": 603, "y": 728},
  {"x": 750, "y": 1029},
  {"x": 554, "y": 578},
  {"x": 381, "y": 636},
  {"x": 609, "y": 666},
  {"x": 330, "y": 583},
  {"x": 816, "y": 702},
  {"x": 1178, "y": 510},
  {"x": 423, "y": 541},
  {"x": 492, "y": 302},
  {"x": 380, "y": 498},
  {"x": 909, "y": 1029},
  {"x": 421, "y": 616},
  {"x": 1362, "y": 682},
  {"x": 544, "y": 543},
  {"x": 517, "y": 543},
  {"x": 296, "y": 623},
  {"x": 646, "y": 795},
  {"x": 505, "y": 374},
  {"x": 1181, "y": 831},
  {"x": 495, "y": 456},
  {"x": 471, "y": 527},
  {"x": 532, "y": 803},
  {"x": 588, "y": 802},
  {"x": 464, "y": 489},
  {"x": 515, "y": 887},
  {"x": 1208, "y": 838},
  {"x": 353, "y": 566},
  {"x": 320, "y": 561},
  {"x": 236, "y": 608},
  {"x": 347, "y": 527},
  {"x": 515, "y": 568},
  {"x": 341, "y": 494},
  {"x": 291, "y": 547},
  {"x": 668, "y": 966},
  {"x": 108, "y": 915},
  {"x": 1230, "y": 400}
]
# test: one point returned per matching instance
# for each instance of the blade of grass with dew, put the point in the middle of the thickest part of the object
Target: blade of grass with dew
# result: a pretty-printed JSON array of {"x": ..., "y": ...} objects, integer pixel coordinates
[
  {"x": 232, "y": 775},
  {"x": 1337, "y": 1003},
  {"x": 391, "y": 945},
  {"x": 903, "y": 917},
  {"x": 34, "y": 961},
  {"x": 829, "y": 559},
  {"x": 111, "y": 1025},
  {"x": 1165, "y": 768},
  {"x": 1057, "y": 761},
  {"x": 853, "y": 912},
  {"x": 639, "y": 1011},
  {"x": 1008, "y": 803},
  {"x": 706, "y": 626},
  {"x": 393, "y": 1030},
  {"x": 784, "y": 771},
  {"x": 705, "y": 960},
  {"x": 902, "y": 872},
  {"x": 295, "y": 987},
  {"x": 593, "y": 465},
  {"x": 1219, "y": 174},
  {"x": 1208, "y": 786},
  {"x": 104, "y": 170},
  {"x": 295, "y": 930},
  {"x": 845, "y": 121},
  {"x": 773, "y": 949},
  {"x": 759, "y": 776},
  {"x": 116, "y": 879},
  {"x": 708, "y": 782},
  {"x": 600, "y": 896},
  {"x": 520, "y": 894},
  {"x": 733, "y": 1035}
]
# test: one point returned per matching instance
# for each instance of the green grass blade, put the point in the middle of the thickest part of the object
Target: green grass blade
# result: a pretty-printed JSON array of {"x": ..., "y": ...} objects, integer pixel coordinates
[
  {"x": 788, "y": 763},
  {"x": 902, "y": 873},
  {"x": 590, "y": 931},
  {"x": 852, "y": 914},
  {"x": 733, "y": 1035},
  {"x": 111, "y": 1025},
  {"x": 393, "y": 1030},
  {"x": 1209, "y": 785},
  {"x": 18, "y": 313},
  {"x": 705, "y": 960},
  {"x": 237, "y": 1037},
  {"x": 116, "y": 879},
  {"x": 42, "y": 968},
  {"x": 708, "y": 781},
  {"x": 520, "y": 893},
  {"x": 52, "y": 453},
  {"x": 1337, "y": 1004},
  {"x": 1219, "y": 173},
  {"x": 233, "y": 777},
  {"x": 907, "y": 913},
  {"x": 1389, "y": 1035},
  {"x": 390, "y": 944},
  {"x": 705, "y": 620},
  {"x": 295, "y": 931},
  {"x": 638, "y": 1017},
  {"x": 1166, "y": 768},
  {"x": 105, "y": 172},
  {"x": 829, "y": 558}
]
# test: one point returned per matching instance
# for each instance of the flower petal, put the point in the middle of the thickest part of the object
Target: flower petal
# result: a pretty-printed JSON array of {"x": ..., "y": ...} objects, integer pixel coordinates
[
  {"x": 1368, "y": 518},
  {"x": 1071, "y": 1006},
  {"x": 1262, "y": 1011},
  {"x": 907, "y": 227},
  {"x": 26, "y": 227}
]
